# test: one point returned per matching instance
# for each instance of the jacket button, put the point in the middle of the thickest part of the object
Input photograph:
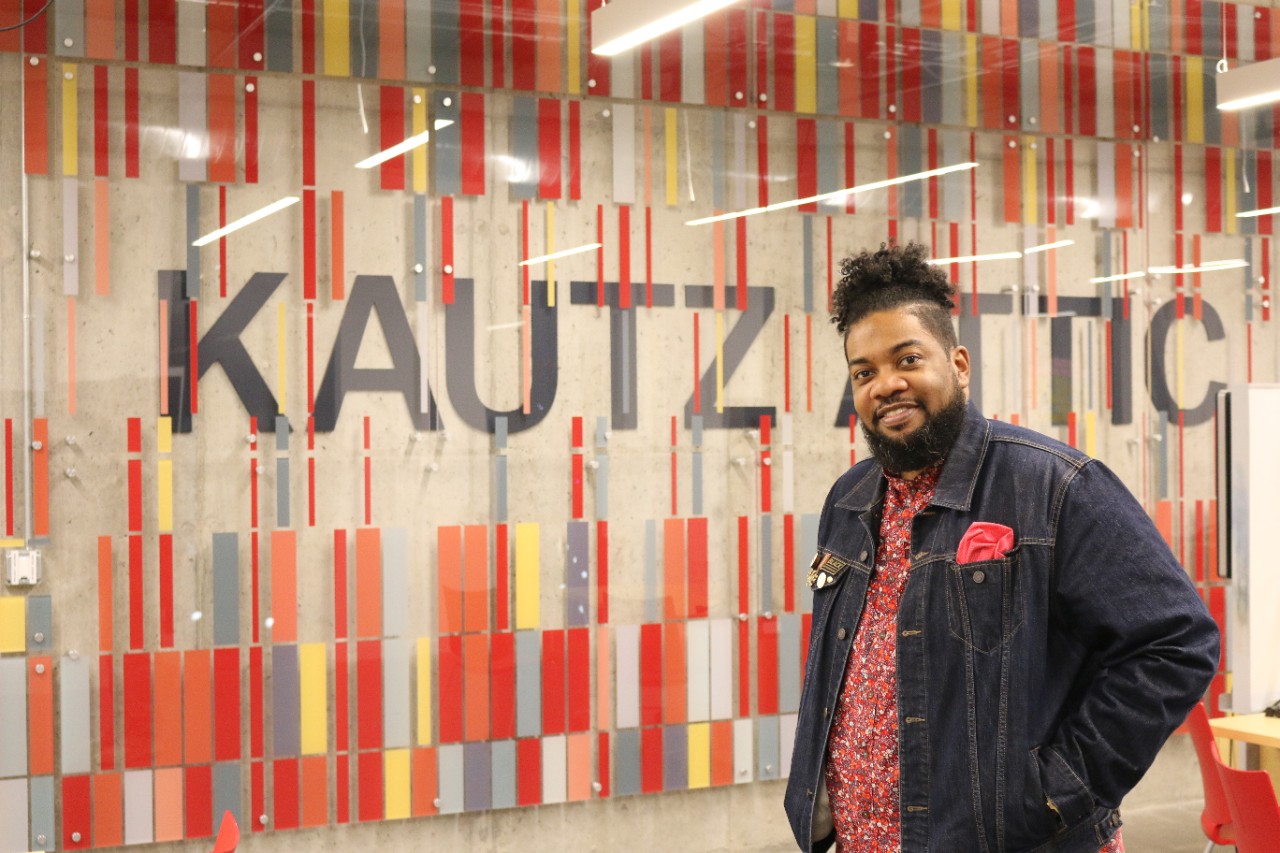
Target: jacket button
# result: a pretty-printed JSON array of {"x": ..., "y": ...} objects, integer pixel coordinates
[
  {"x": 862, "y": 556},
  {"x": 825, "y": 711},
  {"x": 841, "y": 634},
  {"x": 979, "y": 576},
  {"x": 809, "y": 793}
]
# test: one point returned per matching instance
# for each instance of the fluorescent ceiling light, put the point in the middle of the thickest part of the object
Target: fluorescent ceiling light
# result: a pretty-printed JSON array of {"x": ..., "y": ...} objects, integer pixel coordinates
[
  {"x": 623, "y": 24},
  {"x": 973, "y": 259},
  {"x": 260, "y": 213},
  {"x": 861, "y": 188},
  {"x": 401, "y": 147},
  {"x": 1044, "y": 247},
  {"x": 395, "y": 150},
  {"x": 1266, "y": 211},
  {"x": 563, "y": 253},
  {"x": 1249, "y": 86},
  {"x": 1121, "y": 277},
  {"x": 1207, "y": 266}
]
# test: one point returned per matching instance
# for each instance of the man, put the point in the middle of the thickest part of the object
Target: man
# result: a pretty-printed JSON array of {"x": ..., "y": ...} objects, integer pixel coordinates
[{"x": 1001, "y": 640}]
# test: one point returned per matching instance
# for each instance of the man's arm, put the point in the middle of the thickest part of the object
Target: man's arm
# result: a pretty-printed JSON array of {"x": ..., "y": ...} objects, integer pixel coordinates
[{"x": 1121, "y": 593}]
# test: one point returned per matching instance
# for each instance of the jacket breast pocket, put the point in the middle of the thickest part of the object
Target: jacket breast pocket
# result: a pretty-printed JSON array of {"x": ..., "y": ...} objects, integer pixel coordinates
[{"x": 984, "y": 601}]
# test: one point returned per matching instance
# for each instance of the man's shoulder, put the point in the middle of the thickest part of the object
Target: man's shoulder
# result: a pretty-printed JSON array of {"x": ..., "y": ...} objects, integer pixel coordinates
[
  {"x": 862, "y": 474},
  {"x": 1031, "y": 446}
]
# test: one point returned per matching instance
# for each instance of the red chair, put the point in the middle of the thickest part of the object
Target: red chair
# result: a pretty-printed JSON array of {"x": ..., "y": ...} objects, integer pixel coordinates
[
  {"x": 228, "y": 834},
  {"x": 1215, "y": 820},
  {"x": 1254, "y": 809}
]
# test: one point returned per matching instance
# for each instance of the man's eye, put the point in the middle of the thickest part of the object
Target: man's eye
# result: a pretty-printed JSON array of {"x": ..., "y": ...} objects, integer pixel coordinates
[
  {"x": 859, "y": 375},
  {"x": 911, "y": 359}
]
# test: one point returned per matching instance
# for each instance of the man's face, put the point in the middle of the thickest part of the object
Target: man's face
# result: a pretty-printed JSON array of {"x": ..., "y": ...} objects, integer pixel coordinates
[{"x": 910, "y": 393}]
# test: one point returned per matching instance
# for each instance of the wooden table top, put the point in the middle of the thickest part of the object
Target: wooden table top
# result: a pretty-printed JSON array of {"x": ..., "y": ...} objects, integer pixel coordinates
[{"x": 1249, "y": 728}]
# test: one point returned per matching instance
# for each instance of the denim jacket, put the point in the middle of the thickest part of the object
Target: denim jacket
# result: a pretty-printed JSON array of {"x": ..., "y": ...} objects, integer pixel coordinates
[{"x": 1034, "y": 690}]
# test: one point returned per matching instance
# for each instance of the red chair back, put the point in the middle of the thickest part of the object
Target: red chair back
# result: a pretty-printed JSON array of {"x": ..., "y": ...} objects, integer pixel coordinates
[
  {"x": 1254, "y": 809},
  {"x": 1215, "y": 820},
  {"x": 228, "y": 834}
]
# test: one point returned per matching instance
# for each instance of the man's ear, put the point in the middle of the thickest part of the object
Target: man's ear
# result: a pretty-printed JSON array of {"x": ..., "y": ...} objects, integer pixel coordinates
[{"x": 960, "y": 361}]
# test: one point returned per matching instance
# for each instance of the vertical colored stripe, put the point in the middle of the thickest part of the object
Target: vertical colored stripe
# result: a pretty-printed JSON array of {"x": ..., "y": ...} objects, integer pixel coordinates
[
  {"x": 222, "y": 127},
  {"x": 449, "y": 579},
  {"x": 473, "y": 143},
  {"x": 101, "y": 238},
  {"x": 549, "y": 38},
  {"x": 806, "y": 71},
  {"x": 528, "y": 605},
  {"x": 548, "y": 148},
  {"x": 105, "y": 598},
  {"x": 391, "y": 39},
  {"x": 446, "y": 250},
  {"x": 475, "y": 581},
  {"x": 424, "y": 692},
  {"x": 312, "y": 675},
  {"x": 391, "y": 123},
  {"x": 40, "y": 716},
  {"x": 168, "y": 711},
  {"x": 35, "y": 118},
  {"x": 284, "y": 593},
  {"x": 368, "y": 583},
  {"x": 70, "y": 119},
  {"x": 337, "y": 37},
  {"x": 369, "y": 716},
  {"x": 674, "y": 553},
  {"x": 452, "y": 685},
  {"x": 137, "y": 711},
  {"x": 131, "y": 125},
  {"x": 226, "y": 712}
]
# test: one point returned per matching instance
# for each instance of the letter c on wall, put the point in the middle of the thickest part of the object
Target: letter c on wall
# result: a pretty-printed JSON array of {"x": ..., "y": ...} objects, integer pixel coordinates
[{"x": 1157, "y": 337}]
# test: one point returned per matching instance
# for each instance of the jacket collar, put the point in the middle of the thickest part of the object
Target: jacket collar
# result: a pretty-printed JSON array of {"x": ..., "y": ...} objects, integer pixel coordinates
[{"x": 959, "y": 475}]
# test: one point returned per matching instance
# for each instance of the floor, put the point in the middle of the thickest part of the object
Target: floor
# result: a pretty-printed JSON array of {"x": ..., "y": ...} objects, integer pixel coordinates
[{"x": 1166, "y": 828}]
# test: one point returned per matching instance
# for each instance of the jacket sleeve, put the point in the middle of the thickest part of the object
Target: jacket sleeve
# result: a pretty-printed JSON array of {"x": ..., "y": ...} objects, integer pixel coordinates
[{"x": 1152, "y": 647}]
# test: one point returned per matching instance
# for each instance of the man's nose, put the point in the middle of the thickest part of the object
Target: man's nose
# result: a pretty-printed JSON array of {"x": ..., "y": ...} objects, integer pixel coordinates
[{"x": 889, "y": 384}]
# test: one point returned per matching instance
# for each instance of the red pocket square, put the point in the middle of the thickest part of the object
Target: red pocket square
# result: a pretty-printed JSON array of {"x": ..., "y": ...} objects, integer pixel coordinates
[{"x": 984, "y": 540}]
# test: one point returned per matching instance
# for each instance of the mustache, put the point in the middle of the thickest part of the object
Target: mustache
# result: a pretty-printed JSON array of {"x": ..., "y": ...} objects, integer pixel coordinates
[{"x": 888, "y": 404}]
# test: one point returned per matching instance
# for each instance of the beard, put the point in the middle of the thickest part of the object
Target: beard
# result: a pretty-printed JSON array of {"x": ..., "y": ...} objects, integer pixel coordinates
[{"x": 922, "y": 447}]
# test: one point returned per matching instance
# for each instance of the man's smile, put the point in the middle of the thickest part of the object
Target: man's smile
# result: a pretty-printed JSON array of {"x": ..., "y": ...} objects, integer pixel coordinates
[{"x": 894, "y": 414}]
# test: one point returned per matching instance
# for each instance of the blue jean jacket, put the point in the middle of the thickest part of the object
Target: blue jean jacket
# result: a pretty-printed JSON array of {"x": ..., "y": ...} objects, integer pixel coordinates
[{"x": 1034, "y": 690}]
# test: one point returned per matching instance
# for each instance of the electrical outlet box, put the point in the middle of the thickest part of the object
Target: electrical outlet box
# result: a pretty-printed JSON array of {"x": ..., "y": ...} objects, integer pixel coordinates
[{"x": 22, "y": 568}]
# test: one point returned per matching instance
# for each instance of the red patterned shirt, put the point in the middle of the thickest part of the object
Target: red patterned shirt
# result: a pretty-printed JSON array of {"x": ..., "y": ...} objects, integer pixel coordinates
[{"x": 862, "y": 755}]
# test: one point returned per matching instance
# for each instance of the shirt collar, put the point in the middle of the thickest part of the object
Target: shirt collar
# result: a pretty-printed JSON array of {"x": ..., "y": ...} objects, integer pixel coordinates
[
  {"x": 956, "y": 481},
  {"x": 925, "y": 481}
]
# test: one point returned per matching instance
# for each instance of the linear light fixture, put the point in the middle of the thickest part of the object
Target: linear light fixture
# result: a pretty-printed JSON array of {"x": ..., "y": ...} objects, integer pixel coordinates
[
  {"x": 1266, "y": 211},
  {"x": 1125, "y": 276},
  {"x": 973, "y": 259},
  {"x": 402, "y": 147},
  {"x": 1045, "y": 247},
  {"x": 260, "y": 213},
  {"x": 1249, "y": 86},
  {"x": 1207, "y": 266},
  {"x": 624, "y": 24},
  {"x": 861, "y": 188},
  {"x": 563, "y": 253}
]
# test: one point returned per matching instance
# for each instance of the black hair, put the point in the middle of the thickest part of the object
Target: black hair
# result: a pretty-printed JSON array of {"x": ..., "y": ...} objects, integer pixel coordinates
[{"x": 891, "y": 278}]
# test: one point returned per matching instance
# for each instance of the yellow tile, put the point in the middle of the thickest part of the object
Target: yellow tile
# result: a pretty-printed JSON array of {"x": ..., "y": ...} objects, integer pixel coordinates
[
  {"x": 13, "y": 624},
  {"x": 528, "y": 577},
  {"x": 312, "y": 678},
  {"x": 395, "y": 774}
]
